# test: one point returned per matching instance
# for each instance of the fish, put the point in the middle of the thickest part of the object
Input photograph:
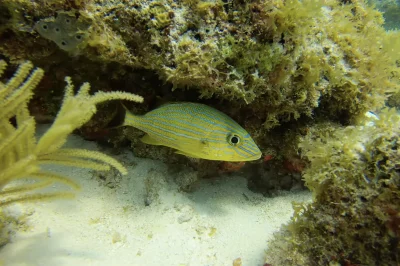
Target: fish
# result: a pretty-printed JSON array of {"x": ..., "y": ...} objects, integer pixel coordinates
[{"x": 196, "y": 131}]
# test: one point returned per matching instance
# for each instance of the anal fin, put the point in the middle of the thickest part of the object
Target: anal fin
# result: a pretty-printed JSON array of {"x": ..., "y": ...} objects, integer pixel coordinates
[
  {"x": 187, "y": 154},
  {"x": 149, "y": 140}
]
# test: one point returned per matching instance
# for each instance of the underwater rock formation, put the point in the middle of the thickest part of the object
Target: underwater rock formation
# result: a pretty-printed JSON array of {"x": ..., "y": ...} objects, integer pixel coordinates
[
  {"x": 281, "y": 69},
  {"x": 285, "y": 58},
  {"x": 354, "y": 175},
  {"x": 273, "y": 66}
]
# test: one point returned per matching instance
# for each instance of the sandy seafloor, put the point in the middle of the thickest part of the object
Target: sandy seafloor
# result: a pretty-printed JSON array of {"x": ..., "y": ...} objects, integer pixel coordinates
[{"x": 220, "y": 221}]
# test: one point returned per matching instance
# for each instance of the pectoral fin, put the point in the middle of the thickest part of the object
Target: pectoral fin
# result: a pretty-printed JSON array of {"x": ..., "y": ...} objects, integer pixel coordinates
[{"x": 149, "y": 140}]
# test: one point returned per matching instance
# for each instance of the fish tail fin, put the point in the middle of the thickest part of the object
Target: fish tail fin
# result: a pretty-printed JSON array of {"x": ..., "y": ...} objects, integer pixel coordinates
[
  {"x": 129, "y": 119},
  {"x": 121, "y": 117},
  {"x": 125, "y": 112}
]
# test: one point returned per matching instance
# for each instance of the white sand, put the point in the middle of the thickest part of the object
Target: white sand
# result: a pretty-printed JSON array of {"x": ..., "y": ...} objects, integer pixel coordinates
[{"x": 212, "y": 226}]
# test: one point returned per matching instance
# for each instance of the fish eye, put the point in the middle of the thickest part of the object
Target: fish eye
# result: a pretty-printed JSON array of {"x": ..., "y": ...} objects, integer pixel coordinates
[{"x": 233, "y": 140}]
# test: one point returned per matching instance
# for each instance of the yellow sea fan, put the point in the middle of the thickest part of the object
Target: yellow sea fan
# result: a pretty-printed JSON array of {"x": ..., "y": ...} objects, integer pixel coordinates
[{"x": 21, "y": 154}]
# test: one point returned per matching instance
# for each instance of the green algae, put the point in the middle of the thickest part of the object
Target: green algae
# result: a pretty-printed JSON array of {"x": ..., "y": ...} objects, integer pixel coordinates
[
  {"x": 285, "y": 59},
  {"x": 354, "y": 217}
]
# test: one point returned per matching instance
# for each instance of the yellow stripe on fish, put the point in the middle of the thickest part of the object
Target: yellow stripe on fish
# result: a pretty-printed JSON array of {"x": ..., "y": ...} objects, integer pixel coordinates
[{"x": 196, "y": 130}]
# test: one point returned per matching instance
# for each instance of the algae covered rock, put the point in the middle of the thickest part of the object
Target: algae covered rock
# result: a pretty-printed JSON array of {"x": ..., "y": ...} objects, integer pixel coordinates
[
  {"x": 276, "y": 67},
  {"x": 355, "y": 179},
  {"x": 284, "y": 59},
  {"x": 282, "y": 69}
]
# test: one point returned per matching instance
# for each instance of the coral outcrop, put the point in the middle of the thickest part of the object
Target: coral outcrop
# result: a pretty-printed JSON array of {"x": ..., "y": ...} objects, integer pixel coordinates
[
  {"x": 284, "y": 58},
  {"x": 354, "y": 175},
  {"x": 276, "y": 67}
]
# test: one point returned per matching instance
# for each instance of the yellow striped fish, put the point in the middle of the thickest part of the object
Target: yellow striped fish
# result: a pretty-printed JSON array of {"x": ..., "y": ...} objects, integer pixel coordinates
[{"x": 197, "y": 131}]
